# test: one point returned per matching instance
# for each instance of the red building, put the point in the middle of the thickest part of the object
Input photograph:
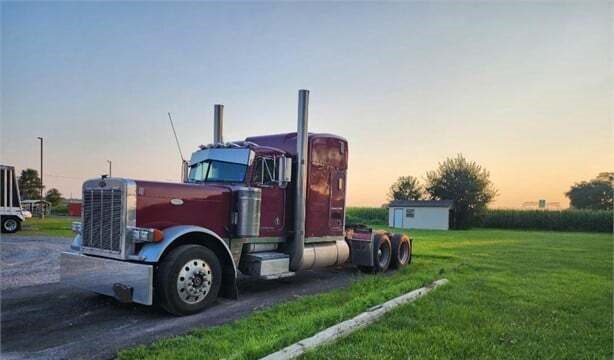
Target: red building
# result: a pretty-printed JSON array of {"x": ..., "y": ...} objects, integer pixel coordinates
[{"x": 74, "y": 208}]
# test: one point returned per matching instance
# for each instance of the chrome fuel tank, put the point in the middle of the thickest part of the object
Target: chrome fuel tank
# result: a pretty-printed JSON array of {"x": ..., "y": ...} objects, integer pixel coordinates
[{"x": 248, "y": 211}]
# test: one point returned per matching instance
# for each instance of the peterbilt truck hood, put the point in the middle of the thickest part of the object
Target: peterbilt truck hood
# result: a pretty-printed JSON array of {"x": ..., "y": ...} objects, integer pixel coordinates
[{"x": 161, "y": 205}]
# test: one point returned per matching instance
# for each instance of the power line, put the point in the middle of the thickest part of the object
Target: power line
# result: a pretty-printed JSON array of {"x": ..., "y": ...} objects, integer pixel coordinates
[{"x": 64, "y": 177}]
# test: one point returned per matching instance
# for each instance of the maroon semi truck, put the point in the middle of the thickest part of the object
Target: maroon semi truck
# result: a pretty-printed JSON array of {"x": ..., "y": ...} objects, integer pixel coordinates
[{"x": 266, "y": 207}]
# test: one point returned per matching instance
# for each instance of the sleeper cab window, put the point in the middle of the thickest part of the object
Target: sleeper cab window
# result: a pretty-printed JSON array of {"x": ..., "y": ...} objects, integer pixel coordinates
[
  {"x": 264, "y": 171},
  {"x": 410, "y": 213}
]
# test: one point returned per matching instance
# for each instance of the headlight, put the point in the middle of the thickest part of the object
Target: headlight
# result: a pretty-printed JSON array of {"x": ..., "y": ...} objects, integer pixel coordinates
[
  {"x": 76, "y": 227},
  {"x": 145, "y": 235}
]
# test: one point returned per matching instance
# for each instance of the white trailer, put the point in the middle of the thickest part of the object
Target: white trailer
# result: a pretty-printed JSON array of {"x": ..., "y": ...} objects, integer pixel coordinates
[{"x": 11, "y": 214}]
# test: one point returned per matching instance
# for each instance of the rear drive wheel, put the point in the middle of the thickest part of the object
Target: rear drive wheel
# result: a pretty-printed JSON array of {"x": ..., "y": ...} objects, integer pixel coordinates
[
  {"x": 401, "y": 250},
  {"x": 188, "y": 279},
  {"x": 10, "y": 225},
  {"x": 382, "y": 253}
]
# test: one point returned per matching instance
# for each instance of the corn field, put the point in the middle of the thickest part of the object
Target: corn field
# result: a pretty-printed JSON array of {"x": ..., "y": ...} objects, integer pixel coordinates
[{"x": 563, "y": 220}]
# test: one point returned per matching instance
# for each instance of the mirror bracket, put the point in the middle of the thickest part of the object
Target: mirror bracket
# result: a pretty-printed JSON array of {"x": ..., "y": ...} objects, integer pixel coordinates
[{"x": 284, "y": 174}]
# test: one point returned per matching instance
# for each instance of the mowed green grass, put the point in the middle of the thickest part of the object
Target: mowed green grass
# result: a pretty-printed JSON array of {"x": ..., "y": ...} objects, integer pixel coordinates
[
  {"x": 511, "y": 295},
  {"x": 49, "y": 226}
]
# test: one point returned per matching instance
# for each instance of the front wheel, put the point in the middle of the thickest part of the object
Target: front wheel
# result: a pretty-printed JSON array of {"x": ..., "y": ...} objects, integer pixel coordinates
[
  {"x": 10, "y": 225},
  {"x": 188, "y": 279}
]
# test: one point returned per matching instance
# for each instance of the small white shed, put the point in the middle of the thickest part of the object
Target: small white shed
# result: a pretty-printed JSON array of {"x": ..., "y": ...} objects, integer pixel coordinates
[{"x": 420, "y": 214}]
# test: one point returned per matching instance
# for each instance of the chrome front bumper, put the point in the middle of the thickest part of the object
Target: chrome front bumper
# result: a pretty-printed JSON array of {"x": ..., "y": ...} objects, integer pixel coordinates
[{"x": 126, "y": 281}]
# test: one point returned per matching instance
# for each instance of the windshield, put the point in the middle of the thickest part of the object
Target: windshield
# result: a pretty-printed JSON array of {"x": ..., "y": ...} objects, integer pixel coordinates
[{"x": 217, "y": 171}]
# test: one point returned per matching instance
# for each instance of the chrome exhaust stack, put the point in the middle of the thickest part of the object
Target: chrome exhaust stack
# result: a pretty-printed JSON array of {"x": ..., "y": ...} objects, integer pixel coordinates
[
  {"x": 218, "y": 124},
  {"x": 297, "y": 245}
]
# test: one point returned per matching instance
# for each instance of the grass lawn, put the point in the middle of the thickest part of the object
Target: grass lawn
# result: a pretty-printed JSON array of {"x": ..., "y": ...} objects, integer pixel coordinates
[
  {"x": 49, "y": 226},
  {"x": 511, "y": 295}
]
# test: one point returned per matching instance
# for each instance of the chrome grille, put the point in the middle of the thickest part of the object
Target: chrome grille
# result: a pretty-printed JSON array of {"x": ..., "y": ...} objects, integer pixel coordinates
[{"x": 102, "y": 219}]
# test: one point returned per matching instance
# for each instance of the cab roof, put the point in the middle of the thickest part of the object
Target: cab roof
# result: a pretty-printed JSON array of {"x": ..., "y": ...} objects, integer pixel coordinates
[{"x": 287, "y": 142}]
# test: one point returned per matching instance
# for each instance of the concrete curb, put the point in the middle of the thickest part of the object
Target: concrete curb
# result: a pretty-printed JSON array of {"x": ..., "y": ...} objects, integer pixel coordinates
[{"x": 349, "y": 326}]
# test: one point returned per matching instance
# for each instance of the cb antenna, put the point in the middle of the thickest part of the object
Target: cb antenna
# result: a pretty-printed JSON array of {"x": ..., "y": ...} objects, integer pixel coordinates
[{"x": 176, "y": 138}]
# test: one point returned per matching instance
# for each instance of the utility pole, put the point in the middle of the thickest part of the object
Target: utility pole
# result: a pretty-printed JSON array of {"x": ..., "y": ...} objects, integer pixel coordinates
[
  {"x": 110, "y": 165},
  {"x": 42, "y": 208}
]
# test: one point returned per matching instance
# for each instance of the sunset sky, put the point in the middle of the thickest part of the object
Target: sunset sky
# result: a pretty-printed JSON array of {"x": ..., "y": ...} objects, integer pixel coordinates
[{"x": 524, "y": 89}]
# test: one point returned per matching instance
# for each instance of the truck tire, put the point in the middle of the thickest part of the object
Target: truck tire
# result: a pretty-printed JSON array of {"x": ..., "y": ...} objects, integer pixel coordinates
[
  {"x": 188, "y": 280},
  {"x": 382, "y": 253},
  {"x": 10, "y": 224},
  {"x": 401, "y": 251}
]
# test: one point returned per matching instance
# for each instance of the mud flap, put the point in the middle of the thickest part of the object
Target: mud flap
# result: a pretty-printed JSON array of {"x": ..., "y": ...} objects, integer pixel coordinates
[
  {"x": 361, "y": 240},
  {"x": 229, "y": 288}
]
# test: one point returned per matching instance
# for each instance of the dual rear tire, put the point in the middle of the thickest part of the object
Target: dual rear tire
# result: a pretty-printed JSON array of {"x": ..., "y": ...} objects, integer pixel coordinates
[
  {"x": 382, "y": 254},
  {"x": 401, "y": 250},
  {"x": 389, "y": 252}
]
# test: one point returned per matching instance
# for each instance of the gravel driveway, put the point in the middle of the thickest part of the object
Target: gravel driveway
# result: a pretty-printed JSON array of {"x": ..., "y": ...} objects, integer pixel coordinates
[
  {"x": 42, "y": 319},
  {"x": 30, "y": 260}
]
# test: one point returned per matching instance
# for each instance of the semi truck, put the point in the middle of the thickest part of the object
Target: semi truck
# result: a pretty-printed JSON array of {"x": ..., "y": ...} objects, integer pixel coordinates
[
  {"x": 11, "y": 214},
  {"x": 264, "y": 207}
]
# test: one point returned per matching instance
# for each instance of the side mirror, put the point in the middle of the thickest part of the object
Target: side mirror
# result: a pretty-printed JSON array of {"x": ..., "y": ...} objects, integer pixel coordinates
[{"x": 284, "y": 175}]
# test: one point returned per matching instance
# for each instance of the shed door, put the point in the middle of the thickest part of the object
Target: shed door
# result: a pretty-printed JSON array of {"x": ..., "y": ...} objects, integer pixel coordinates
[{"x": 397, "y": 221}]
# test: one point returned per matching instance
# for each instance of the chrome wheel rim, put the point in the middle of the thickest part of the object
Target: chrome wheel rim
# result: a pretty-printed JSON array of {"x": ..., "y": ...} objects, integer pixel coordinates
[
  {"x": 194, "y": 281},
  {"x": 383, "y": 256},
  {"x": 10, "y": 225}
]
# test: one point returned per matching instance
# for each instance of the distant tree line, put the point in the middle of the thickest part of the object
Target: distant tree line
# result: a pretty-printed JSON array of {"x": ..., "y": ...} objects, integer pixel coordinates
[
  {"x": 595, "y": 194},
  {"x": 30, "y": 187},
  {"x": 548, "y": 220},
  {"x": 468, "y": 185}
]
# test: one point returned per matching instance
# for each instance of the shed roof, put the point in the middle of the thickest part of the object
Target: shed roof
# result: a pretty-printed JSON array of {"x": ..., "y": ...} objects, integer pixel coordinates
[
  {"x": 422, "y": 203},
  {"x": 36, "y": 201}
]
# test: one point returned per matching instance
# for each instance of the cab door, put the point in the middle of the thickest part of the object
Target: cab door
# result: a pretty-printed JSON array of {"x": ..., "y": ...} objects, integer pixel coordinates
[{"x": 273, "y": 205}]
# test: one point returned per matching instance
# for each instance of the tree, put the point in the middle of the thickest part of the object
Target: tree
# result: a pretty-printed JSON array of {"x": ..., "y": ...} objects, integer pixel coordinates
[
  {"x": 406, "y": 188},
  {"x": 464, "y": 182},
  {"x": 606, "y": 176},
  {"x": 592, "y": 195},
  {"x": 53, "y": 196},
  {"x": 30, "y": 184}
]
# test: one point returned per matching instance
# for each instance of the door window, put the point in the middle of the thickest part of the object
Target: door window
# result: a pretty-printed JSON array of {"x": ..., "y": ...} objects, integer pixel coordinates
[{"x": 265, "y": 170}]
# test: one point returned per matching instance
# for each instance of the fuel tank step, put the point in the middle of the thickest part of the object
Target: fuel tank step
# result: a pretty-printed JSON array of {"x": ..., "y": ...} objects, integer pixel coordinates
[{"x": 266, "y": 265}]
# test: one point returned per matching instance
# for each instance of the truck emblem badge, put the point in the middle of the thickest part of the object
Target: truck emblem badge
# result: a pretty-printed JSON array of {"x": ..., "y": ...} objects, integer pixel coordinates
[{"x": 176, "y": 202}]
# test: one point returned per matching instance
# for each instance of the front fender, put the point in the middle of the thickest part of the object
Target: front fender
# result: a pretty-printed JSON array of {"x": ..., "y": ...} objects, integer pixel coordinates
[{"x": 152, "y": 252}]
